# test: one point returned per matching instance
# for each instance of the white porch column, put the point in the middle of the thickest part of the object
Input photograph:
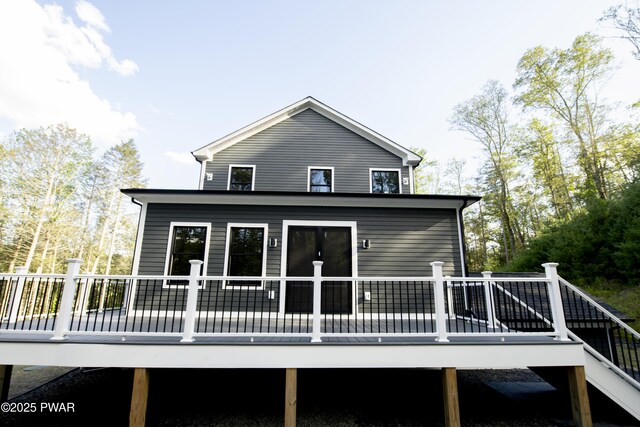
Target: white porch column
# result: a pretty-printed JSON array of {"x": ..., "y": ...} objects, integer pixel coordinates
[
  {"x": 192, "y": 301},
  {"x": 66, "y": 305},
  {"x": 555, "y": 301},
  {"x": 488, "y": 296},
  {"x": 15, "y": 298},
  {"x": 441, "y": 315},
  {"x": 317, "y": 295}
]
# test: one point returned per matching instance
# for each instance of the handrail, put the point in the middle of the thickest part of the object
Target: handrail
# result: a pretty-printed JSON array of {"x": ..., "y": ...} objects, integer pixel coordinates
[
  {"x": 600, "y": 307},
  {"x": 595, "y": 353}
]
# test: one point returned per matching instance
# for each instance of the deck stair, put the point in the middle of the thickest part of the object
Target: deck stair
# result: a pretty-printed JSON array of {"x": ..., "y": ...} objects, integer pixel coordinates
[{"x": 612, "y": 348}]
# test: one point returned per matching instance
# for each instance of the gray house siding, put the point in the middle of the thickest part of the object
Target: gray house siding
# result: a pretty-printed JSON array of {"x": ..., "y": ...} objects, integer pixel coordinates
[
  {"x": 403, "y": 242},
  {"x": 283, "y": 153}
]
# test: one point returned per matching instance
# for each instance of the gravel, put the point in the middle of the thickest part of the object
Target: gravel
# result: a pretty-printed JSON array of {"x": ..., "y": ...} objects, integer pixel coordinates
[{"x": 326, "y": 397}]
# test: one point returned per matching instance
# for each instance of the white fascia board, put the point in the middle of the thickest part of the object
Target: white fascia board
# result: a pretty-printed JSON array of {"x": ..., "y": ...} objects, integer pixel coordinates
[
  {"x": 382, "y": 355},
  {"x": 299, "y": 200},
  {"x": 408, "y": 157}
]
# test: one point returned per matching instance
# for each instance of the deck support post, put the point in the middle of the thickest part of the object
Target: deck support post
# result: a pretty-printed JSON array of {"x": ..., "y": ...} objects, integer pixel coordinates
[
  {"x": 450, "y": 397},
  {"x": 192, "y": 301},
  {"x": 579, "y": 397},
  {"x": 66, "y": 304},
  {"x": 441, "y": 316},
  {"x": 139, "y": 397},
  {"x": 290, "y": 397},
  {"x": 5, "y": 381},
  {"x": 317, "y": 295},
  {"x": 555, "y": 301},
  {"x": 15, "y": 297}
]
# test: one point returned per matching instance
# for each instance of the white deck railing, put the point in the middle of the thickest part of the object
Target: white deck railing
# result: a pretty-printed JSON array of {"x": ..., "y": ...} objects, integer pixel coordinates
[{"x": 196, "y": 306}]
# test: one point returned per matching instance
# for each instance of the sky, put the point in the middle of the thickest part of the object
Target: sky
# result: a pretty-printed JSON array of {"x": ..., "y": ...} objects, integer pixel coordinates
[{"x": 177, "y": 75}]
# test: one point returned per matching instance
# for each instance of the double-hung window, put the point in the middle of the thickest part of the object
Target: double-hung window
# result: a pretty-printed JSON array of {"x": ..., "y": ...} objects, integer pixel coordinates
[
  {"x": 246, "y": 253},
  {"x": 241, "y": 177},
  {"x": 385, "y": 180},
  {"x": 320, "y": 179},
  {"x": 187, "y": 241}
]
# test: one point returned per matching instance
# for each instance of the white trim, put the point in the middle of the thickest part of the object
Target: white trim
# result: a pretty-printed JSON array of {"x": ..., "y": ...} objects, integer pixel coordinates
[
  {"x": 460, "y": 242},
  {"x": 265, "y": 238},
  {"x": 333, "y": 175},
  {"x": 203, "y": 168},
  {"x": 317, "y": 223},
  {"x": 207, "y": 241},
  {"x": 408, "y": 157},
  {"x": 139, "y": 236},
  {"x": 411, "y": 184},
  {"x": 498, "y": 355},
  {"x": 253, "y": 175},
  {"x": 303, "y": 199},
  {"x": 371, "y": 170}
]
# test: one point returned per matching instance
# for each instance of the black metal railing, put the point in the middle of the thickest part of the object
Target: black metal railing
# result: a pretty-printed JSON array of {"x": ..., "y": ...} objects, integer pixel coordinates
[
  {"x": 29, "y": 302},
  {"x": 313, "y": 307},
  {"x": 380, "y": 307},
  {"x": 497, "y": 305},
  {"x": 601, "y": 330}
]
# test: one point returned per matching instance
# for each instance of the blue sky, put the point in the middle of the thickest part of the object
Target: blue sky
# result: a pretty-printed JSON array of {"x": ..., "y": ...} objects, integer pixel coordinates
[{"x": 178, "y": 75}]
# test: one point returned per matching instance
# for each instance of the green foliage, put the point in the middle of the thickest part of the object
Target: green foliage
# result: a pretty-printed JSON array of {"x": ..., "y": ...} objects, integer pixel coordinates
[{"x": 601, "y": 241}]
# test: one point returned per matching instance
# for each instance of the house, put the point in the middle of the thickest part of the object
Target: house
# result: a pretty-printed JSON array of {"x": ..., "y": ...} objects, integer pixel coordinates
[
  {"x": 304, "y": 184},
  {"x": 305, "y": 247}
]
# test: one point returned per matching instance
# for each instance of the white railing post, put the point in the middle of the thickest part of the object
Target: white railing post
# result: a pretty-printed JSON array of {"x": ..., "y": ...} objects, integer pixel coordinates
[
  {"x": 555, "y": 301},
  {"x": 66, "y": 304},
  {"x": 15, "y": 298},
  {"x": 192, "y": 301},
  {"x": 450, "y": 304},
  {"x": 317, "y": 295},
  {"x": 441, "y": 316},
  {"x": 488, "y": 296}
]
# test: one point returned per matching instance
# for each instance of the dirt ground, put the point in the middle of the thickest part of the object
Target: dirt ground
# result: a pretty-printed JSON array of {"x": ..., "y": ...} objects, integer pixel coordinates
[
  {"x": 27, "y": 378},
  {"x": 326, "y": 397}
]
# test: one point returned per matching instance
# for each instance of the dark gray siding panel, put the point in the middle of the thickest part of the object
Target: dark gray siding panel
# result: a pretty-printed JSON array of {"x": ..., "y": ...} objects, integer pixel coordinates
[
  {"x": 403, "y": 241},
  {"x": 283, "y": 153}
]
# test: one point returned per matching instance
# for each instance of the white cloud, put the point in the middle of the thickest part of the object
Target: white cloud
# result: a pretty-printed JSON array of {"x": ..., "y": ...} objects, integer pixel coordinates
[
  {"x": 38, "y": 84},
  {"x": 91, "y": 15},
  {"x": 180, "y": 158}
]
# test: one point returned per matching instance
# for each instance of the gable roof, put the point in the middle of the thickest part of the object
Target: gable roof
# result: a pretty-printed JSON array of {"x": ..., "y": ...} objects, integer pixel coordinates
[{"x": 409, "y": 158}]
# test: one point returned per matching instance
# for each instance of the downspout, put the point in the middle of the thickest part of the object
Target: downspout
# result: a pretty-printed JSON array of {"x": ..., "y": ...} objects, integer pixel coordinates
[{"x": 136, "y": 248}]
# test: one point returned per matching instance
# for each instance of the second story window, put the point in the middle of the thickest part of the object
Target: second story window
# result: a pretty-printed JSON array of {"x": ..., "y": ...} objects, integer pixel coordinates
[
  {"x": 385, "y": 180},
  {"x": 320, "y": 179},
  {"x": 241, "y": 177}
]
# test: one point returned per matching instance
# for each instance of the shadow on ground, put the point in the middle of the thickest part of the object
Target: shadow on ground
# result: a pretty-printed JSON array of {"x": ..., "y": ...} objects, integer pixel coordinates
[{"x": 326, "y": 397}]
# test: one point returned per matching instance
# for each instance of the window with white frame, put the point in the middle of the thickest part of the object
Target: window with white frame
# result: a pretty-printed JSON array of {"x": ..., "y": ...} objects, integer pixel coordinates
[
  {"x": 385, "y": 180},
  {"x": 320, "y": 179},
  {"x": 187, "y": 241},
  {"x": 241, "y": 177},
  {"x": 246, "y": 253}
]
